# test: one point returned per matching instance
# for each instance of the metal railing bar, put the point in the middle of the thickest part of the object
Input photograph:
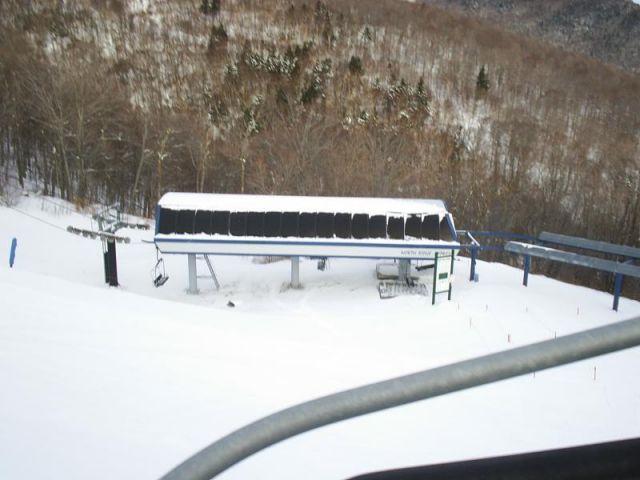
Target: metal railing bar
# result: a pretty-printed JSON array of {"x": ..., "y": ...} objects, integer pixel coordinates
[
  {"x": 287, "y": 423},
  {"x": 573, "y": 258}
]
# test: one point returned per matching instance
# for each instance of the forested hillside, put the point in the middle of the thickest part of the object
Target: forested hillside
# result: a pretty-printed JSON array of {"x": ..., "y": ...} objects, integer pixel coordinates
[
  {"x": 608, "y": 30},
  {"x": 119, "y": 100}
]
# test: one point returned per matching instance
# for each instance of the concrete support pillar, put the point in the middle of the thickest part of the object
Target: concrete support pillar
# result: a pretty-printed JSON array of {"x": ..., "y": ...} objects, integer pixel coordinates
[
  {"x": 404, "y": 270},
  {"x": 193, "y": 274},
  {"x": 295, "y": 272}
]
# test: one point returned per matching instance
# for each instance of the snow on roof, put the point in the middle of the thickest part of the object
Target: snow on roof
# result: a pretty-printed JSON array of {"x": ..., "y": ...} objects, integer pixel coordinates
[{"x": 288, "y": 203}]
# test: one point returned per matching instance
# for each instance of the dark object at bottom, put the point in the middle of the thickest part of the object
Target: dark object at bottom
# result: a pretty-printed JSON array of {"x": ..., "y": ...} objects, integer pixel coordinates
[
  {"x": 230, "y": 304},
  {"x": 613, "y": 460}
]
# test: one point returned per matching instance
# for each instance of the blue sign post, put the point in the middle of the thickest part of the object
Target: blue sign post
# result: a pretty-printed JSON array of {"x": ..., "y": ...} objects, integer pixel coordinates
[{"x": 12, "y": 255}]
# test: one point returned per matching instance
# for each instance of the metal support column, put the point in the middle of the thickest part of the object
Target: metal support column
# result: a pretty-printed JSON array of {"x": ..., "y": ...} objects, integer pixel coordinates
[
  {"x": 193, "y": 274},
  {"x": 474, "y": 256},
  {"x": 617, "y": 287},
  {"x": 435, "y": 279},
  {"x": 404, "y": 270},
  {"x": 110, "y": 263},
  {"x": 213, "y": 274},
  {"x": 295, "y": 272},
  {"x": 527, "y": 267},
  {"x": 617, "y": 290},
  {"x": 453, "y": 257}
]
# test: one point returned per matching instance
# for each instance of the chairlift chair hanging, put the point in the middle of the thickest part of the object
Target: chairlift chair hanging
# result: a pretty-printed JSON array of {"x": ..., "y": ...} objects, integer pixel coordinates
[{"x": 160, "y": 276}]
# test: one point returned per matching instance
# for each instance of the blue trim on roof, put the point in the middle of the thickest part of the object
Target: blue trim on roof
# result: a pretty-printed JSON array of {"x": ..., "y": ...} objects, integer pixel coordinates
[
  {"x": 454, "y": 234},
  {"x": 253, "y": 254}
]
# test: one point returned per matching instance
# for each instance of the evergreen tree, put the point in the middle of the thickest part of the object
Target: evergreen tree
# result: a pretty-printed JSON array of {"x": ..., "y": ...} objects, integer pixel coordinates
[
  {"x": 366, "y": 34},
  {"x": 421, "y": 95},
  {"x": 217, "y": 37},
  {"x": 482, "y": 82},
  {"x": 355, "y": 65},
  {"x": 210, "y": 7},
  {"x": 420, "y": 86},
  {"x": 215, "y": 7}
]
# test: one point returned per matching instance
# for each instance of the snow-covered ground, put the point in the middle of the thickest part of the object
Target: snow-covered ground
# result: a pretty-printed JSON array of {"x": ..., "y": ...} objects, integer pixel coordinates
[{"x": 105, "y": 383}]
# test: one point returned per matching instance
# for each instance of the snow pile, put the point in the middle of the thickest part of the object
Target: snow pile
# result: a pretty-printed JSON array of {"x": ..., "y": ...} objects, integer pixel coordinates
[
  {"x": 124, "y": 383},
  {"x": 286, "y": 203}
]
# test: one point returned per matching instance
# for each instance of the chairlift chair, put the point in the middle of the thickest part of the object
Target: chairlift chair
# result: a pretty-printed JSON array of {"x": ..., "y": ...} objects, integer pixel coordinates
[{"x": 160, "y": 276}]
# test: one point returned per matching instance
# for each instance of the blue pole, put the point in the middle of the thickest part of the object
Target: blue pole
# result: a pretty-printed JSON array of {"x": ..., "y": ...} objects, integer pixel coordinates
[
  {"x": 12, "y": 254},
  {"x": 527, "y": 267},
  {"x": 617, "y": 290}
]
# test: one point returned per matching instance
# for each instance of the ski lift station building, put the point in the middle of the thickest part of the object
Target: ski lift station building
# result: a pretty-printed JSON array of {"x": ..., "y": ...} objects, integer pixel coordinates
[{"x": 301, "y": 226}]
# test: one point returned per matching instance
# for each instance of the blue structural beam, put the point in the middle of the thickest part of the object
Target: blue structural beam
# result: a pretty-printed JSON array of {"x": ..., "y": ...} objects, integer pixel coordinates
[
  {"x": 619, "y": 269},
  {"x": 594, "y": 245},
  {"x": 475, "y": 247},
  {"x": 617, "y": 287},
  {"x": 503, "y": 235},
  {"x": 527, "y": 267},
  {"x": 573, "y": 258},
  {"x": 617, "y": 290}
]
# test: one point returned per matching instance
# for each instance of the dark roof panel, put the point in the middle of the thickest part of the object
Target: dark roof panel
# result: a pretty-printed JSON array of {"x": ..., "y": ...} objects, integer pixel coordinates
[
  {"x": 343, "y": 225},
  {"x": 360, "y": 226},
  {"x": 290, "y": 224},
  {"x": 238, "y": 224},
  {"x": 378, "y": 226},
  {"x": 255, "y": 224},
  {"x": 167, "y": 223},
  {"x": 273, "y": 224},
  {"x": 185, "y": 221},
  {"x": 308, "y": 224},
  {"x": 395, "y": 228},
  {"x": 326, "y": 225},
  {"x": 220, "y": 222},
  {"x": 431, "y": 227}
]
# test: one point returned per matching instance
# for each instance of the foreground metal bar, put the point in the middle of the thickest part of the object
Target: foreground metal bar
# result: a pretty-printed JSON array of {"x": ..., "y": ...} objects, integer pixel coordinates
[
  {"x": 573, "y": 258},
  {"x": 263, "y": 433}
]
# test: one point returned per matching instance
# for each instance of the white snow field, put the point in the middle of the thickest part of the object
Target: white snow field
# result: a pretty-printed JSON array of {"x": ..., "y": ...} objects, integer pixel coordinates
[{"x": 125, "y": 383}]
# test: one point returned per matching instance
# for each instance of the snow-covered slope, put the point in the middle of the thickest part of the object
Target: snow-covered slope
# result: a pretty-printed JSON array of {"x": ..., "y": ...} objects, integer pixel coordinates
[{"x": 124, "y": 383}]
